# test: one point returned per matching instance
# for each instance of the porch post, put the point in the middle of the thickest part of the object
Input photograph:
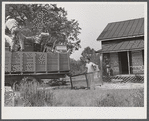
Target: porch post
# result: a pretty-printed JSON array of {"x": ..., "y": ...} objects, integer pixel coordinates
[
  {"x": 101, "y": 69},
  {"x": 128, "y": 61}
]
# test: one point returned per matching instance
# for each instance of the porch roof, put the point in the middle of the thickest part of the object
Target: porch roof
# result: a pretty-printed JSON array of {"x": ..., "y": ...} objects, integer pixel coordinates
[{"x": 123, "y": 46}]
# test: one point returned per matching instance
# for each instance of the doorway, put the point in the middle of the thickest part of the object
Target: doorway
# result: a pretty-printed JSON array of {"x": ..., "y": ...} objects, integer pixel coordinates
[{"x": 123, "y": 62}]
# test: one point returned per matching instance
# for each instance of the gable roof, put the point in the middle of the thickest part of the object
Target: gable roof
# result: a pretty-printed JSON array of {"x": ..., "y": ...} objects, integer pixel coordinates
[{"x": 123, "y": 29}]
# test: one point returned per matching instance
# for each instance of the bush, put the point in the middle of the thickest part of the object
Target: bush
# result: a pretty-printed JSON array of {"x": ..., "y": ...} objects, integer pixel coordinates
[
  {"x": 135, "y": 99},
  {"x": 33, "y": 96}
]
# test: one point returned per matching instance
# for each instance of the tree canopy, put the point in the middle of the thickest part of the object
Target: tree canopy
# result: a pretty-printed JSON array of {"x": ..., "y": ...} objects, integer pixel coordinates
[
  {"x": 90, "y": 53},
  {"x": 47, "y": 18}
]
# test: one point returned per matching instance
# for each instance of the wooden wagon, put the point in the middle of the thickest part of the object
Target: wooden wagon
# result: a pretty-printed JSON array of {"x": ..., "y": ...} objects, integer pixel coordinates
[{"x": 35, "y": 65}]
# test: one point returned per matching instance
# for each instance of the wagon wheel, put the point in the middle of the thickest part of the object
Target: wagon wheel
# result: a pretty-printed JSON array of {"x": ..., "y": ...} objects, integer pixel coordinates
[
  {"x": 28, "y": 87},
  {"x": 16, "y": 86},
  {"x": 29, "y": 83}
]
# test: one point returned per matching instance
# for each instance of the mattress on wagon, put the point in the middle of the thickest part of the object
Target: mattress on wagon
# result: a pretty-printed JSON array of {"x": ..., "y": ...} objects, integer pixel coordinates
[{"x": 36, "y": 62}]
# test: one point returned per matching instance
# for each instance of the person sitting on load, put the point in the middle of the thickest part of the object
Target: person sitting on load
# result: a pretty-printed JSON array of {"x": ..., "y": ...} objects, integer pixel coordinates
[{"x": 15, "y": 31}]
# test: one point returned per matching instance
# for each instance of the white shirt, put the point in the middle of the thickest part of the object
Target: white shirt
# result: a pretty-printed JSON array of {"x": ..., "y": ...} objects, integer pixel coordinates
[
  {"x": 11, "y": 23},
  {"x": 90, "y": 66}
]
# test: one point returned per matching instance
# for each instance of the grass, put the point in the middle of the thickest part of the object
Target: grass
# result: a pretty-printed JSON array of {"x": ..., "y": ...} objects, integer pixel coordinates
[
  {"x": 63, "y": 96},
  {"x": 100, "y": 98}
]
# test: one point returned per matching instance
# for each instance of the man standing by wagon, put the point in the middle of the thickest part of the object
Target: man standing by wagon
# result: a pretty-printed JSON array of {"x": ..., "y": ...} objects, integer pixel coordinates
[
  {"x": 13, "y": 26},
  {"x": 91, "y": 69}
]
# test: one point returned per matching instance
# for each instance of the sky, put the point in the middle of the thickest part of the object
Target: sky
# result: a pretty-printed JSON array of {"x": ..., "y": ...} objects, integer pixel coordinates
[{"x": 94, "y": 16}]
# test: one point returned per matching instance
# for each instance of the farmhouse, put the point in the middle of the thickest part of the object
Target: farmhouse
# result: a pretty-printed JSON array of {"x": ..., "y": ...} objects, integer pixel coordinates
[{"x": 123, "y": 45}]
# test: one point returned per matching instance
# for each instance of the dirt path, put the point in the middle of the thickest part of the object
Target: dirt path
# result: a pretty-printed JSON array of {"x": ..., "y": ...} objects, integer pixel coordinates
[{"x": 121, "y": 86}]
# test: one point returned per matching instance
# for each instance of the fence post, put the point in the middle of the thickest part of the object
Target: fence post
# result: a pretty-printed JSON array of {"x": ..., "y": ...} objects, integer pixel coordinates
[
  {"x": 101, "y": 68},
  {"x": 71, "y": 82},
  {"x": 128, "y": 61},
  {"x": 86, "y": 80},
  {"x": 58, "y": 62}
]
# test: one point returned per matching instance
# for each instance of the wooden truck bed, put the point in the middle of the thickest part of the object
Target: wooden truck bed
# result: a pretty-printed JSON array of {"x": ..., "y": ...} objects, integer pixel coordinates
[{"x": 36, "y": 62}]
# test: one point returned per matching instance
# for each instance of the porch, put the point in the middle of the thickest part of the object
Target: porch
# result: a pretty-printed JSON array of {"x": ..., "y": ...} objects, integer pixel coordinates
[{"x": 125, "y": 62}]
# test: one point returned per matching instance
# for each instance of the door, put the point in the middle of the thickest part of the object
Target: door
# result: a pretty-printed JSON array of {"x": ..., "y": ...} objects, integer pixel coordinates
[{"x": 123, "y": 62}]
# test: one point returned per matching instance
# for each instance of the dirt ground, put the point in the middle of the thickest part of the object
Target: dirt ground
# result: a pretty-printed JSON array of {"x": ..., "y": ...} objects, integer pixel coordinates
[{"x": 121, "y": 86}]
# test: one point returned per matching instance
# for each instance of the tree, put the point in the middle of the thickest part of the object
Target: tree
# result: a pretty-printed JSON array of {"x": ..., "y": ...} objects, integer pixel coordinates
[
  {"x": 47, "y": 18},
  {"x": 87, "y": 53},
  {"x": 76, "y": 67},
  {"x": 90, "y": 53}
]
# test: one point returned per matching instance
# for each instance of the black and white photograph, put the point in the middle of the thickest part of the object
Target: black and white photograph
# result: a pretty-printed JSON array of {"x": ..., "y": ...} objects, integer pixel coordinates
[{"x": 77, "y": 59}]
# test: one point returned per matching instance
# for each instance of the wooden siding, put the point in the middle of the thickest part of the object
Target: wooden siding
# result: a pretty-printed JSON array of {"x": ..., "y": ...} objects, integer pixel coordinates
[
  {"x": 137, "y": 62},
  {"x": 36, "y": 62}
]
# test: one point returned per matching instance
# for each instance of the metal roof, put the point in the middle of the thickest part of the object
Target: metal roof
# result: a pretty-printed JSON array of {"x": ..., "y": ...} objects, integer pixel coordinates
[
  {"x": 123, "y": 46},
  {"x": 123, "y": 29}
]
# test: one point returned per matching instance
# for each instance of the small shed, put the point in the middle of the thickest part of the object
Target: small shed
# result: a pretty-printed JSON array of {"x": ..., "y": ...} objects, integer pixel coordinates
[{"x": 123, "y": 45}]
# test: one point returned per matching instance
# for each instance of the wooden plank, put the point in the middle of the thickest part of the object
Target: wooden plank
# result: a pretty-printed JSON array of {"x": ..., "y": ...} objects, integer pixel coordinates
[
  {"x": 137, "y": 62},
  {"x": 68, "y": 60},
  {"x": 16, "y": 62},
  {"x": 40, "y": 61},
  {"x": 21, "y": 62},
  {"x": 46, "y": 63},
  {"x": 63, "y": 62},
  {"x": 101, "y": 67},
  {"x": 128, "y": 61},
  {"x": 87, "y": 81},
  {"x": 52, "y": 61},
  {"x": 58, "y": 62},
  {"x": 28, "y": 61},
  {"x": 10, "y": 62},
  {"x": 71, "y": 82},
  {"x": 34, "y": 62}
]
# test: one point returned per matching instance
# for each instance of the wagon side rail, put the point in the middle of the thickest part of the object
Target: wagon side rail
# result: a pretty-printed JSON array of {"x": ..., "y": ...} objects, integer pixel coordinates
[{"x": 36, "y": 62}]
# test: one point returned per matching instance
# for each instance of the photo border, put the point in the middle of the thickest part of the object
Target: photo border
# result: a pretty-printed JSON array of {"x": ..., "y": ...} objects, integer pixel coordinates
[{"x": 38, "y": 109}]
